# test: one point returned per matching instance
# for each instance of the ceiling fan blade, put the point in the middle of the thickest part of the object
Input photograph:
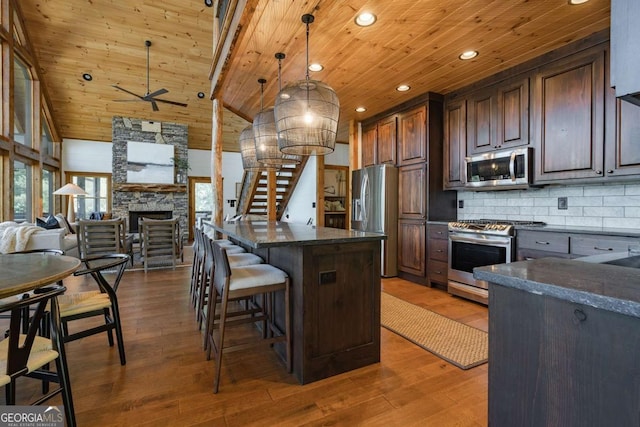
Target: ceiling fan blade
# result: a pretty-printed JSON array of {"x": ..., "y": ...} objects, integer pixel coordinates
[
  {"x": 127, "y": 91},
  {"x": 156, "y": 93},
  {"x": 166, "y": 101},
  {"x": 154, "y": 105}
]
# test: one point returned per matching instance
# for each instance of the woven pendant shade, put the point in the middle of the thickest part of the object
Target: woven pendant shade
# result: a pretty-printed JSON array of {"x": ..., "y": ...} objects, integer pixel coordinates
[
  {"x": 248, "y": 150},
  {"x": 306, "y": 114},
  {"x": 266, "y": 138}
]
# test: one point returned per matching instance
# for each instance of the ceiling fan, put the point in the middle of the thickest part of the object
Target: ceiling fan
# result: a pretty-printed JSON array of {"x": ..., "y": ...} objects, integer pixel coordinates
[{"x": 149, "y": 96}]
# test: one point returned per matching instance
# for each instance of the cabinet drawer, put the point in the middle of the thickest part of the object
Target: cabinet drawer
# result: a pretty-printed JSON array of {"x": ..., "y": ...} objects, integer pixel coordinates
[
  {"x": 438, "y": 250},
  {"x": 438, "y": 271},
  {"x": 438, "y": 231},
  {"x": 584, "y": 246},
  {"x": 550, "y": 242}
]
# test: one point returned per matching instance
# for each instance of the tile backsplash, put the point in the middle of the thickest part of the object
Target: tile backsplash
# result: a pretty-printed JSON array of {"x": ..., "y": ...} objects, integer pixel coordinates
[{"x": 611, "y": 205}]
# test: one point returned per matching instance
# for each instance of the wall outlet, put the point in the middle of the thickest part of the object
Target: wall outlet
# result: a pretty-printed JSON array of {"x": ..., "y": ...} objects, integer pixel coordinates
[
  {"x": 563, "y": 204},
  {"x": 460, "y": 204}
]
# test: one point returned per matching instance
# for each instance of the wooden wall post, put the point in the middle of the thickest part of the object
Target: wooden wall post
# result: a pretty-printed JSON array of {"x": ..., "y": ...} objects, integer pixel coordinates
[
  {"x": 271, "y": 194},
  {"x": 216, "y": 161}
]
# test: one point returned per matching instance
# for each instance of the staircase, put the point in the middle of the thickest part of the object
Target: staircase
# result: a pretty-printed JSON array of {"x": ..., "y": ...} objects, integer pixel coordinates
[{"x": 253, "y": 198}]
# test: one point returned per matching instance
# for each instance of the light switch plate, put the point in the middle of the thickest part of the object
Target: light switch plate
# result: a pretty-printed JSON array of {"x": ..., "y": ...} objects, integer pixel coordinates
[{"x": 563, "y": 204}]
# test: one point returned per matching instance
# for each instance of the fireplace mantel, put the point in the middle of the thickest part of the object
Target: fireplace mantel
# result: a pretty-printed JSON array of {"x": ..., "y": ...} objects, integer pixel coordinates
[{"x": 152, "y": 188}]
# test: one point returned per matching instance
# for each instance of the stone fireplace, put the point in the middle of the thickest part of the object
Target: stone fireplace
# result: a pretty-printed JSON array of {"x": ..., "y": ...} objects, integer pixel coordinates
[{"x": 129, "y": 197}]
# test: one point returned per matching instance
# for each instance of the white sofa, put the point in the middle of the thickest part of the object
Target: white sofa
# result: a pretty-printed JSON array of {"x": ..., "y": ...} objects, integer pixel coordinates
[{"x": 56, "y": 238}]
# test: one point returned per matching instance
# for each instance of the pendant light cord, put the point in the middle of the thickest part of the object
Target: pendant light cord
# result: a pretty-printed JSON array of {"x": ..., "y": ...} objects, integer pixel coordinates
[
  {"x": 148, "y": 43},
  {"x": 307, "y": 74}
]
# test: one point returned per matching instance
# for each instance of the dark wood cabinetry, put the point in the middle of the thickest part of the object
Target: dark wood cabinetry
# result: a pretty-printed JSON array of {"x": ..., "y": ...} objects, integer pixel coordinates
[
  {"x": 622, "y": 150},
  {"x": 555, "y": 362},
  {"x": 386, "y": 146},
  {"x": 568, "y": 117},
  {"x": 455, "y": 136},
  {"x": 369, "y": 142},
  {"x": 412, "y": 193},
  {"x": 412, "y": 250},
  {"x": 438, "y": 254},
  {"x": 413, "y": 128},
  {"x": 498, "y": 116}
]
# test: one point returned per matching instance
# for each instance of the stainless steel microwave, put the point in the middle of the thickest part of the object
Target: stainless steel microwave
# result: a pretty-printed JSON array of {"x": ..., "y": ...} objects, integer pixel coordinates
[{"x": 499, "y": 170}]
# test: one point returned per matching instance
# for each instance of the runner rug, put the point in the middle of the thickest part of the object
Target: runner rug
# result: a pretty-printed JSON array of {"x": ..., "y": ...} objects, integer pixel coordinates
[{"x": 455, "y": 342}]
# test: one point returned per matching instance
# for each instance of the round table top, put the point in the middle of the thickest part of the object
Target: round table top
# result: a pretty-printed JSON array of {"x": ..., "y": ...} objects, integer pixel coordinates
[{"x": 21, "y": 273}]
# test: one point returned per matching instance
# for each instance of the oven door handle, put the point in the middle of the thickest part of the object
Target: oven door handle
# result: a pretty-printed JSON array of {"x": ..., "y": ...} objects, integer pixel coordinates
[{"x": 486, "y": 242}]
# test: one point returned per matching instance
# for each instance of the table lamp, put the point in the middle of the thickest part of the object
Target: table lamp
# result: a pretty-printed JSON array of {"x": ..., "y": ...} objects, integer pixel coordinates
[{"x": 70, "y": 190}]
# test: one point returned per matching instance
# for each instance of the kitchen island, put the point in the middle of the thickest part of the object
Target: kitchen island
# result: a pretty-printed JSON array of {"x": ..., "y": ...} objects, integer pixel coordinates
[
  {"x": 335, "y": 291},
  {"x": 564, "y": 339}
]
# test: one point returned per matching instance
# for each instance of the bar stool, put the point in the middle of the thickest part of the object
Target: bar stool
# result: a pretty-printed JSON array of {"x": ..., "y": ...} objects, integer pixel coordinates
[
  {"x": 243, "y": 282},
  {"x": 238, "y": 259},
  {"x": 198, "y": 264}
]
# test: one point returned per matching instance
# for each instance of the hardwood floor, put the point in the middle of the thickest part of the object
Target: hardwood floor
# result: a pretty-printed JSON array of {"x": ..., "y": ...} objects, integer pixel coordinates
[{"x": 168, "y": 381}]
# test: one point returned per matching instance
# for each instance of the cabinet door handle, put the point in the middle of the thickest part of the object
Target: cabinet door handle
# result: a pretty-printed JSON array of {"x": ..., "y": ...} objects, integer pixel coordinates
[
  {"x": 580, "y": 315},
  {"x": 541, "y": 243},
  {"x": 439, "y": 250},
  {"x": 438, "y": 272},
  {"x": 599, "y": 172},
  {"x": 610, "y": 171},
  {"x": 602, "y": 249}
]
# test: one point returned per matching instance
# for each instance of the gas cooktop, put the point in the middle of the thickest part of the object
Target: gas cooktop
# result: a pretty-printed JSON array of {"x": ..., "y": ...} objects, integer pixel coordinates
[{"x": 490, "y": 226}]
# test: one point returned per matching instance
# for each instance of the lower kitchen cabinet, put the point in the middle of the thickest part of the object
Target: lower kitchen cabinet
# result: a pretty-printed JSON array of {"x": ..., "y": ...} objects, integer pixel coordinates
[
  {"x": 558, "y": 363},
  {"x": 412, "y": 250},
  {"x": 438, "y": 254}
]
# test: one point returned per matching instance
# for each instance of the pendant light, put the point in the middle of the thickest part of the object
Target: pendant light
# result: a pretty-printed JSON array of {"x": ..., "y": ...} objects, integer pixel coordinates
[
  {"x": 306, "y": 114},
  {"x": 248, "y": 150},
  {"x": 264, "y": 131}
]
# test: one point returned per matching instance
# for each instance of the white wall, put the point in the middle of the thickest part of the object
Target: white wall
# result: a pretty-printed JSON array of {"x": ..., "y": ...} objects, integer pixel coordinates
[
  {"x": 340, "y": 156},
  {"x": 611, "y": 205},
  {"x": 300, "y": 207}
]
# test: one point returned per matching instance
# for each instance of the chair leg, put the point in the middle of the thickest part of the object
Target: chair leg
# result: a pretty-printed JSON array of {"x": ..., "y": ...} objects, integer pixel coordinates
[
  {"x": 211, "y": 319},
  {"x": 107, "y": 320},
  {"x": 287, "y": 325},
  {"x": 118, "y": 328},
  {"x": 10, "y": 393},
  {"x": 218, "y": 349},
  {"x": 65, "y": 384}
]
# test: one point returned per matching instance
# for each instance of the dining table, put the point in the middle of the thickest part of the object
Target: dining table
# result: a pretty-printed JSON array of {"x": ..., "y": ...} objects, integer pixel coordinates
[{"x": 24, "y": 272}]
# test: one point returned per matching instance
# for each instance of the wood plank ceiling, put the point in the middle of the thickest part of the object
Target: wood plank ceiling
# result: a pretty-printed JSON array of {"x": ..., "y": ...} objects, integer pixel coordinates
[{"x": 414, "y": 42}]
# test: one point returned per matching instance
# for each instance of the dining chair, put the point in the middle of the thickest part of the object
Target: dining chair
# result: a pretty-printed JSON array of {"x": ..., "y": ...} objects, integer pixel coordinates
[
  {"x": 24, "y": 353},
  {"x": 241, "y": 282},
  {"x": 100, "y": 302}
]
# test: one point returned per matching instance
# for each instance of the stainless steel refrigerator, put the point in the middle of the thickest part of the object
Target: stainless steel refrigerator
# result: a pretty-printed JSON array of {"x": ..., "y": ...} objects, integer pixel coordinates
[{"x": 375, "y": 208}]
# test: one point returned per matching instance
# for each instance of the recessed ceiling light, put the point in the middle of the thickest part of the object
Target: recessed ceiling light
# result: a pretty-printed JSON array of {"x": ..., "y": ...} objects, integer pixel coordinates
[
  {"x": 361, "y": 109},
  {"x": 574, "y": 2},
  {"x": 470, "y": 54},
  {"x": 88, "y": 77},
  {"x": 316, "y": 67},
  {"x": 365, "y": 19},
  {"x": 200, "y": 95},
  {"x": 403, "y": 88}
]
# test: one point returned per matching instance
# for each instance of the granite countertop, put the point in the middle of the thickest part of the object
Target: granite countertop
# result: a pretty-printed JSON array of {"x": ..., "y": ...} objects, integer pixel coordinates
[
  {"x": 263, "y": 234},
  {"x": 629, "y": 232},
  {"x": 607, "y": 287}
]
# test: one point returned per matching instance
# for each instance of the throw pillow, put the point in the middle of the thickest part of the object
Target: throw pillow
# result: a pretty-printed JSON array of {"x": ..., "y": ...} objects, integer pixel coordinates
[
  {"x": 49, "y": 223},
  {"x": 62, "y": 220}
]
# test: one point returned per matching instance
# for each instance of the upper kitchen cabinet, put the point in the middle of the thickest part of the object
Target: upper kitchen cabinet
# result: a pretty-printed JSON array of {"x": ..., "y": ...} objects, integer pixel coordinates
[
  {"x": 498, "y": 116},
  {"x": 413, "y": 139},
  {"x": 386, "y": 143},
  {"x": 379, "y": 142},
  {"x": 568, "y": 119},
  {"x": 625, "y": 45},
  {"x": 369, "y": 142},
  {"x": 455, "y": 141},
  {"x": 622, "y": 155}
]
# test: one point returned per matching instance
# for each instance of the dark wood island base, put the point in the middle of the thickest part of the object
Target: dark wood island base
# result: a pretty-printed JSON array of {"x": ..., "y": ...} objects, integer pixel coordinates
[{"x": 335, "y": 292}]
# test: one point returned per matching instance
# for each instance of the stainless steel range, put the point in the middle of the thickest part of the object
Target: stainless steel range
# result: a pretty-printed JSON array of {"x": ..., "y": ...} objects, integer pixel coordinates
[{"x": 476, "y": 243}]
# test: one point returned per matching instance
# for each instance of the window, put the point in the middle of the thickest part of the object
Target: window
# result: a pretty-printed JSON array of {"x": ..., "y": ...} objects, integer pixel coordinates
[
  {"x": 48, "y": 184},
  {"x": 99, "y": 198},
  {"x": 22, "y": 104},
  {"x": 22, "y": 181},
  {"x": 46, "y": 144}
]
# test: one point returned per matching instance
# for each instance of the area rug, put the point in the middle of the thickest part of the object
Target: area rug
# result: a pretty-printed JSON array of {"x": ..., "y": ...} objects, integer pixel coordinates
[{"x": 455, "y": 342}]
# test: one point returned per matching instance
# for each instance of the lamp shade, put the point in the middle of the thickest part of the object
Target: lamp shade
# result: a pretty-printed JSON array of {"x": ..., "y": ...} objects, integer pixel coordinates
[
  {"x": 248, "y": 150},
  {"x": 266, "y": 138},
  {"x": 70, "y": 189},
  {"x": 306, "y": 115}
]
